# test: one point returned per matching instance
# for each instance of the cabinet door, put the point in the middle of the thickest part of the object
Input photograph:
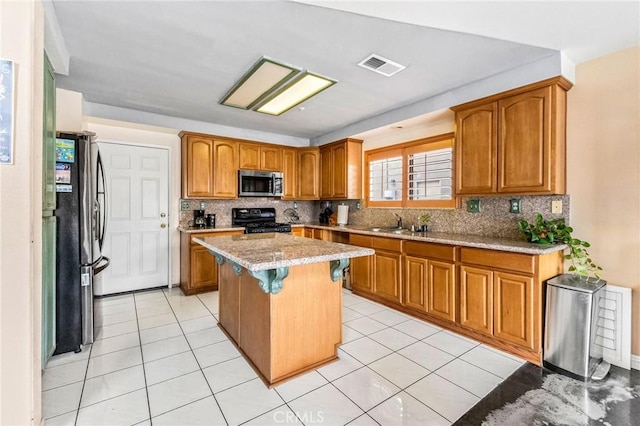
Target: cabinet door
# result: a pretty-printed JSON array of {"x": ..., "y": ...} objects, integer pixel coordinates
[
  {"x": 290, "y": 172},
  {"x": 204, "y": 269},
  {"x": 524, "y": 151},
  {"x": 298, "y": 232},
  {"x": 339, "y": 165},
  {"x": 225, "y": 169},
  {"x": 308, "y": 233},
  {"x": 442, "y": 300},
  {"x": 308, "y": 174},
  {"x": 49, "y": 139},
  {"x": 513, "y": 309},
  {"x": 387, "y": 277},
  {"x": 326, "y": 173},
  {"x": 249, "y": 156},
  {"x": 476, "y": 150},
  {"x": 360, "y": 271},
  {"x": 197, "y": 166},
  {"x": 271, "y": 158},
  {"x": 415, "y": 282},
  {"x": 476, "y": 299}
]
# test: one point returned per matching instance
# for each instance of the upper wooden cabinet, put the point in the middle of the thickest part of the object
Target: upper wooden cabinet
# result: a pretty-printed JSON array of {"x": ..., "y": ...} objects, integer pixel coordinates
[
  {"x": 290, "y": 172},
  {"x": 308, "y": 174},
  {"x": 255, "y": 156},
  {"x": 197, "y": 166},
  {"x": 513, "y": 142},
  {"x": 341, "y": 170},
  {"x": 209, "y": 166}
]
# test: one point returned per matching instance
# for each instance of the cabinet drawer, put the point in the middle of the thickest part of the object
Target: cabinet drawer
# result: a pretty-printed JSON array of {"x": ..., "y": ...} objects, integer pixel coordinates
[
  {"x": 360, "y": 240},
  {"x": 435, "y": 251},
  {"x": 390, "y": 244},
  {"x": 498, "y": 259}
]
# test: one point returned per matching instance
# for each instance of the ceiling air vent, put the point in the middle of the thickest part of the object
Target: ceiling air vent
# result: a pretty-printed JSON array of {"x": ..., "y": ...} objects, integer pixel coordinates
[{"x": 384, "y": 66}]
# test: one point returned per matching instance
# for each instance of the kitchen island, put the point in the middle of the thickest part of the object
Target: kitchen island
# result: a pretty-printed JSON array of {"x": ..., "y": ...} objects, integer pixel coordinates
[{"x": 281, "y": 299}]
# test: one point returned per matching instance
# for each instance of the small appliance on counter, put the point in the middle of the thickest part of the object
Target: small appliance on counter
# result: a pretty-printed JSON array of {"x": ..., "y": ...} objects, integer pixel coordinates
[
  {"x": 199, "y": 220},
  {"x": 326, "y": 212},
  {"x": 258, "y": 221},
  {"x": 211, "y": 220}
]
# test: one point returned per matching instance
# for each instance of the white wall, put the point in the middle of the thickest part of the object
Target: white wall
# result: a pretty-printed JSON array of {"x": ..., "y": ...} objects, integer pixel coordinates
[
  {"x": 21, "y": 40},
  {"x": 130, "y": 133},
  {"x": 68, "y": 111},
  {"x": 603, "y": 168}
]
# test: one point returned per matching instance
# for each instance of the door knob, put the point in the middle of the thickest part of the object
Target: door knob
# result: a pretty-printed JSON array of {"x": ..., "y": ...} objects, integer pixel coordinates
[
  {"x": 163, "y": 225},
  {"x": 163, "y": 215}
]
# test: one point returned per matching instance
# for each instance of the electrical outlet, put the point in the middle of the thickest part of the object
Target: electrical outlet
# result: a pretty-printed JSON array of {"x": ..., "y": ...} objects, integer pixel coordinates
[
  {"x": 473, "y": 205},
  {"x": 185, "y": 205},
  {"x": 515, "y": 205},
  {"x": 556, "y": 207}
]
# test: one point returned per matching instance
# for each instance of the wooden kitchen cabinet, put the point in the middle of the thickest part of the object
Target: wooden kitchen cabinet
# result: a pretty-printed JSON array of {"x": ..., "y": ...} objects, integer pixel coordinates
[
  {"x": 387, "y": 268},
  {"x": 297, "y": 231},
  {"x": 209, "y": 166},
  {"x": 225, "y": 168},
  {"x": 255, "y": 156},
  {"x": 308, "y": 174},
  {"x": 513, "y": 142},
  {"x": 198, "y": 268},
  {"x": 341, "y": 170},
  {"x": 290, "y": 173},
  {"x": 197, "y": 166},
  {"x": 476, "y": 299},
  {"x": 501, "y": 295},
  {"x": 429, "y": 279},
  {"x": 361, "y": 267}
]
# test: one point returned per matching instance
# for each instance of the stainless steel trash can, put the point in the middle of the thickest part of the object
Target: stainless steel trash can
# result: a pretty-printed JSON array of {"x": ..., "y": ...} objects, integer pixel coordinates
[{"x": 570, "y": 325}]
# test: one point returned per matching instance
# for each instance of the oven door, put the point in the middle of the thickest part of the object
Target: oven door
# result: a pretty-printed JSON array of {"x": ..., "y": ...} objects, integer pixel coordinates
[{"x": 255, "y": 183}]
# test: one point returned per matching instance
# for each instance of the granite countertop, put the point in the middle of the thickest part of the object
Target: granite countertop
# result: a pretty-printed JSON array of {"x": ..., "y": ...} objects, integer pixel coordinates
[
  {"x": 258, "y": 252},
  {"x": 199, "y": 230},
  {"x": 476, "y": 241}
]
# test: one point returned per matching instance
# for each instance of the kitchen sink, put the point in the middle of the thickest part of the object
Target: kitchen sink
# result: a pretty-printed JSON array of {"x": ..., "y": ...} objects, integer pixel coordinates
[{"x": 390, "y": 230}]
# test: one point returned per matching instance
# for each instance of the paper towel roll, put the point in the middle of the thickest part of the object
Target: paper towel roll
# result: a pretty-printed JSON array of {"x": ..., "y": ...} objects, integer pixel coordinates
[{"x": 343, "y": 213}]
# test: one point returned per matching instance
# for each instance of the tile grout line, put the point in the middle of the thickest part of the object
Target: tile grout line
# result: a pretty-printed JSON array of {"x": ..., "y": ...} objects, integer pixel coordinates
[{"x": 144, "y": 370}]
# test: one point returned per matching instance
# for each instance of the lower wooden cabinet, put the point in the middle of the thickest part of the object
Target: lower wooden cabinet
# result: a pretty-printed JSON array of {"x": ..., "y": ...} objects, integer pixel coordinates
[
  {"x": 514, "y": 301},
  {"x": 198, "y": 268},
  {"x": 297, "y": 231},
  {"x": 476, "y": 299},
  {"x": 429, "y": 284},
  {"x": 360, "y": 267},
  {"x": 387, "y": 268}
]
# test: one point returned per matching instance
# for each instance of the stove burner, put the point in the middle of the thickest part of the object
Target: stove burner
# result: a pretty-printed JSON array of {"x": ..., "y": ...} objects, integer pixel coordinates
[{"x": 258, "y": 221}]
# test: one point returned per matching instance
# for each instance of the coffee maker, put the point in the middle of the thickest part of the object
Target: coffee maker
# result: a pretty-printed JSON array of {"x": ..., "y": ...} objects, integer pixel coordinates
[{"x": 199, "y": 220}]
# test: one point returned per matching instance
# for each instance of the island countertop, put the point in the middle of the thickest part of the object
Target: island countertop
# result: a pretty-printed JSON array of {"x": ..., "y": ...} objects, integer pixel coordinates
[{"x": 259, "y": 252}]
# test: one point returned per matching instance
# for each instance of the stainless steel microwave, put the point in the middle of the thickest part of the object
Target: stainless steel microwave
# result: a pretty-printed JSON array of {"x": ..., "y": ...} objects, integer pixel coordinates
[{"x": 257, "y": 183}]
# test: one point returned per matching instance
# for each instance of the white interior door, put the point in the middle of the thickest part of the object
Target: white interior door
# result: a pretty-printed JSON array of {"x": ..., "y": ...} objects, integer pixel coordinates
[{"x": 137, "y": 235}]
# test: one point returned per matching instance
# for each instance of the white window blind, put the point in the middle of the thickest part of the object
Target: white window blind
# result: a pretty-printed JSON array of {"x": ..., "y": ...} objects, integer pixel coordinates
[
  {"x": 430, "y": 175},
  {"x": 385, "y": 179}
]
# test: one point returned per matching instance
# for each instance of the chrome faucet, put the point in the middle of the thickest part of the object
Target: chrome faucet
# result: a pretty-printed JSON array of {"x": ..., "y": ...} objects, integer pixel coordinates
[{"x": 399, "y": 220}]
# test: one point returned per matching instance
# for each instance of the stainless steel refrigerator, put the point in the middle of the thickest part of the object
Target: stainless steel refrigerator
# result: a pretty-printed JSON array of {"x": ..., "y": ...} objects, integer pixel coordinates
[{"x": 81, "y": 225}]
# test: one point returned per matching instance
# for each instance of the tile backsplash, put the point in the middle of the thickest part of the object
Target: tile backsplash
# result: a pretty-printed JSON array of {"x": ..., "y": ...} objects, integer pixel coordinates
[
  {"x": 494, "y": 218},
  {"x": 222, "y": 209}
]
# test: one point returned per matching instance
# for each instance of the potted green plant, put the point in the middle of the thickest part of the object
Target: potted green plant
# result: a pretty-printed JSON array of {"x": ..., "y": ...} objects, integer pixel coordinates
[
  {"x": 555, "y": 231},
  {"x": 424, "y": 222}
]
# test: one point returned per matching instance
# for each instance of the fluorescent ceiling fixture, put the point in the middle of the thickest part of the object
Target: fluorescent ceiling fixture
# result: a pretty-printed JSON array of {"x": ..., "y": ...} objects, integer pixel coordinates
[
  {"x": 299, "y": 91},
  {"x": 261, "y": 80}
]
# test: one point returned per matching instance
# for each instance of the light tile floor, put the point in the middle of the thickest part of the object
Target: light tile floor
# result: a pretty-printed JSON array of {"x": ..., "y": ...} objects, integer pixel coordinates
[{"x": 159, "y": 358}]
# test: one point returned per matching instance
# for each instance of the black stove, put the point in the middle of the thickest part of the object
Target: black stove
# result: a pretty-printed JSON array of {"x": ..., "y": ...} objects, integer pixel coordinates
[{"x": 258, "y": 220}]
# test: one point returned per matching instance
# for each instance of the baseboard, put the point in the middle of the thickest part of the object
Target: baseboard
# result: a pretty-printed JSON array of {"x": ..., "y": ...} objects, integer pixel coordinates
[{"x": 635, "y": 362}]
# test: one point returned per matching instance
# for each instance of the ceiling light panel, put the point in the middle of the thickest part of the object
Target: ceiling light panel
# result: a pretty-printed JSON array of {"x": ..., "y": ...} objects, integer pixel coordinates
[
  {"x": 258, "y": 83},
  {"x": 304, "y": 87}
]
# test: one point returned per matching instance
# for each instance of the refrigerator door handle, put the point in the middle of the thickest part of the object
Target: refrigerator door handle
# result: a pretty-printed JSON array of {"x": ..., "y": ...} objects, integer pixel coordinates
[
  {"x": 97, "y": 268},
  {"x": 102, "y": 209}
]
